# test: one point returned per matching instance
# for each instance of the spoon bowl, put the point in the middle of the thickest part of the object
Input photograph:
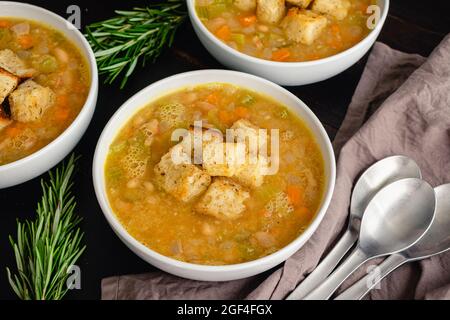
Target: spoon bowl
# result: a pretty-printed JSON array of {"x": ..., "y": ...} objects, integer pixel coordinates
[
  {"x": 395, "y": 219},
  {"x": 435, "y": 241},
  {"x": 376, "y": 177},
  {"x": 437, "y": 238}
]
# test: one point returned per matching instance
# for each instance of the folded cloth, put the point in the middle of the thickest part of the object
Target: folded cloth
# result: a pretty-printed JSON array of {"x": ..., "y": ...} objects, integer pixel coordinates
[{"x": 401, "y": 106}]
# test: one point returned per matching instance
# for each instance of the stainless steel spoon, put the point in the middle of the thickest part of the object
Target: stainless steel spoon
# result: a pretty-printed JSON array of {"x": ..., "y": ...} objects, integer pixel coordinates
[
  {"x": 376, "y": 177},
  {"x": 434, "y": 242},
  {"x": 395, "y": 219}
]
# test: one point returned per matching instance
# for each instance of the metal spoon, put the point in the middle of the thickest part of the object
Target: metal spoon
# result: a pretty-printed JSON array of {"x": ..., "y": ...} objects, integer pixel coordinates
[
  {"x": 376, "y": 177},
  {"x": 434, "y": 242},
  {"x": 396, "y": 218}
]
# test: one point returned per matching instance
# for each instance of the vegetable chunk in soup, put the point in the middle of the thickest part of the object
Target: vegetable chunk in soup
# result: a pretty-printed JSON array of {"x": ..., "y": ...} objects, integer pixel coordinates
[
  {"x": 44, "y": 83},
  {"x": 287, "y": 30},
  {"x": 189, "y": 206}
]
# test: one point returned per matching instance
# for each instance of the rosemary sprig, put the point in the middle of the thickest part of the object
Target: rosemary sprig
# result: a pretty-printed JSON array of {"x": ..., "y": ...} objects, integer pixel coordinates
[
  {"x": 140, "y": 34},
  {"x": 46, "y": 247}
]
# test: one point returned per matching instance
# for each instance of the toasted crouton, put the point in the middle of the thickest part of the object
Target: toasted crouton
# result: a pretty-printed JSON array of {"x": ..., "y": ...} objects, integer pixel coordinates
[
  {"x": 246, "y": 132},
  {"x": 196, "y": 139},
  {"x": 182, "y": 180},
  {"x": 335, "y": 8},
  {"x": 251, "y": 174},
  {"x": 270, "y": 11},
  {"x": 29, "y": 101},
  {"x": 13, "y": 64},
  {"x": 224, "y": 199},
  {"x": 223, "y": 159},
  {"x": 245, "y": 5},
  {"x": 303, "y": 26},
  {"x": 300, "y": 3},
  {"x": 8, "y": 82}
]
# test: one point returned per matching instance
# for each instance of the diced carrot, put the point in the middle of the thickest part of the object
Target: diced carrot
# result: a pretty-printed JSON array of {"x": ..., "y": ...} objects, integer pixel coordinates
[
  {"x": 363, "y": 8},
  {"x": 62, "y": 100},
  {"x": 281, "y": 54},
  {"x": 5, "y": 24},
  {"x": 213, "y": 98},
  {"x": 335, "y": 29},
  {"x": 224, "y": 33},
  {"x": 226, "y": 117},
  {"x": 62, "y": 114},
  {"x": 25, "y": 41},
  {"x": 247, "y": 21},
  {"x": 295, "y": 194},
  {"x": 12, "y": 131},
  {"x": 241, "y": 112}
]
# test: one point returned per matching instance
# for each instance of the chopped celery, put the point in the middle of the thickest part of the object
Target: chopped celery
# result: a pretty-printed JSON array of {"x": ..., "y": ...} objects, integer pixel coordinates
[
  {"x": 114, "y": 174},
  {"x": 47, "y": 64},
  {"x": 248, "y": 100},
  {"x": 118, "y": 147},
  {"x": 267, "y": 192},
  {"x": 5, "y": 35},
  {"x": 216, "y": 10},
  {"x": 203, "y": 12},
  {"x": 238, "y": 38}
]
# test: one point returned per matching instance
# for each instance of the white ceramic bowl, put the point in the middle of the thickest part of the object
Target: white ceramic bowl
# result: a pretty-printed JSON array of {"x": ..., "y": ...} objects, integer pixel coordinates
[
  {"x": 286, "y": 73},
  {"x": 42, "y": 160},
  {"x": 152, "y": 92}
]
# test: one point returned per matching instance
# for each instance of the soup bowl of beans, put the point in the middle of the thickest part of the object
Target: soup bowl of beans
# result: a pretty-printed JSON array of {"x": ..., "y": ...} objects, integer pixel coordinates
[
  {"x": 48, "y": 90},
  {"x": 290, "y": 42},
  {"x": 182, "y": 184}
]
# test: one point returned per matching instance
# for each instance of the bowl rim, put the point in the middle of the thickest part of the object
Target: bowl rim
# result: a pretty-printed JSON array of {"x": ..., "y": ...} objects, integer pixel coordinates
[
  {"x": 269, "y": 63},
  {"x": 100, "y": 185},
  {"x": 90, "y": 102}
]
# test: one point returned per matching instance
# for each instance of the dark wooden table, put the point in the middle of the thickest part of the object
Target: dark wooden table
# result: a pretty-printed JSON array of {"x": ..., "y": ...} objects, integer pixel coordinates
[{"x": 412, "y": 26}]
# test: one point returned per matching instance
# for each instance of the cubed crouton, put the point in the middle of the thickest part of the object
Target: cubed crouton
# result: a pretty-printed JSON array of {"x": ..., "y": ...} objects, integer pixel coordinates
[
  {"x": 300, "y": 3},
  {"x": 29, "y": 101},
  {"x": 251, "y": 174},
  {"x": 246, "y": 132},
  {"x": 8, "y": 82},
  {"x": 182, "y": 180},
  {"x": 245, "y": 5},
  {"x": 197, "y": 138},
  {"x": 270, "y": 11},
  {"x": 335, "y": 8},
  {"x": 224, "y": 199},
  {"x": 223, "y": 159},
  {"x": 13, "y": 64},
  {"x": 303, "y": 26}
]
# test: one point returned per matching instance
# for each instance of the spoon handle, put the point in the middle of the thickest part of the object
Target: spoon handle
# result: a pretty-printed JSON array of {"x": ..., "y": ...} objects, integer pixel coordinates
[
  {"x": 332, "y": 283},
  {"x": 323, "y": 270},
  {"x": 367, "y": 283}
]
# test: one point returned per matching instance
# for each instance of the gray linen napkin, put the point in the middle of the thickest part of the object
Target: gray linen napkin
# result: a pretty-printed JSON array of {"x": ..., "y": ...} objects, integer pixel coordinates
[{"x": 401, "y": 106}]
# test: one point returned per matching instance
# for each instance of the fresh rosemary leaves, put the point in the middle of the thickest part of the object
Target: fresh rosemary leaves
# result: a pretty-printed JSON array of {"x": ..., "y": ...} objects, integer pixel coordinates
[
  {"x": 48, "y": 246},
  {"x": 139, "y": 35}
]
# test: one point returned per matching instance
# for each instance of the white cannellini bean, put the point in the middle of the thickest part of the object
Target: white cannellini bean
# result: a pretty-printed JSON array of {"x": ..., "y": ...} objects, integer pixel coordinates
[
  {"x": 133, "y": 183},
  {"x": 61, "y": 55},
  {"x": 263, "y": 28},
  {"x": 265, "y": 239},
  {"x": 149, "y": 186},
  {"x": 21, "y": 29}
]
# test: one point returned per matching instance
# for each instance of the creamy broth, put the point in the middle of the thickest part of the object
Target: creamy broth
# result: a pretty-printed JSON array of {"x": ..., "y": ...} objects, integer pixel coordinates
[
  {"x": 245, "y": 32},
  {"x": 54, "y": 63},
  {"x": 275, "y": 213}
]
